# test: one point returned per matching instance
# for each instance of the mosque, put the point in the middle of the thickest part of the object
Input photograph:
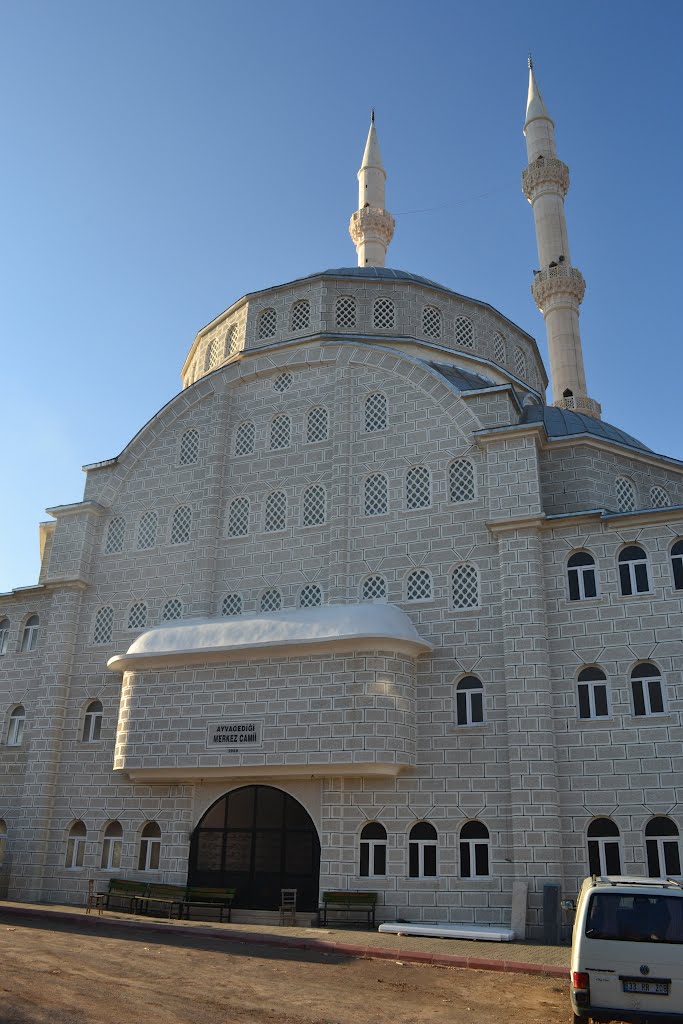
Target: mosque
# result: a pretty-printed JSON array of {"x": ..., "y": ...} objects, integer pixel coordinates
[{"x": 356, "y": 609}]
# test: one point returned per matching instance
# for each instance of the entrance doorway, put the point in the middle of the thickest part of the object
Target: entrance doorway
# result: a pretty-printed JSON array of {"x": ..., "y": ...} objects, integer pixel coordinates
[{"x": 258, "y": 840}]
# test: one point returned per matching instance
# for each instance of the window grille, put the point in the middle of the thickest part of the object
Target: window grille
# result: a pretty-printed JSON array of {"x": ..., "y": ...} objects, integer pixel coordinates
[
  {"x": 172, "y": 610},
  {"x": 244, "y": 438},
  {"x": 499, "y": 353},
  {"x": 374, "y": 588},
  {"x": 345, "y": 311},
  {"x": 150, "y": 847},
  {"x": 115, "y": 533},
  {"x": 29, "y": 639},
  {"x": 276, "y": 512},
  {"x": 662, "y": 848},
  {"x": 634, "y": 576},
  {"x": 211, "y": 357},
  {"x": 4, "y": 635},
  {"x": 659, "y": 497},
  {"x": 626, "y": 495},
  {"x": 283, "y": 382},
  {"x": 581, "y": 576},
  {"x": 520, "y": 362},
  {"x": 676, "y": 566},
  {"x": 238, "y": 517},
  {"x": 182, "y": 523},
  {"x": 376, "y": 495},
  {"x": 592, "y": 690},
  {"x": 15, "y": 732},
  {"x": 431, "y": 322},
  {"x": 301, "y": 315},
  {"x": 317, "y": 425},
  {"x": 464, "y": 332},
  {"x": 147, "y": 530},
  {"x": 418, "y": 487},
  {"x": 646, "y": 687},
  {"x": 104, "y": 625},
  {"x": 232, "y": 341},
  {"x": 137, "y": 616},
  {"x": 373, "y": 851},
  {"x": 111, "y": 847},
  {"x": 75, "y": 845},
  {"x": 310, "y": 597},
  {"x": 419, "y": 586},
  {"x": 465, "y": 586},
  {"x": 383, "y": 315},
  {"x": 422, "y": 850},
  {"x": 475, "y": 846},
  {"x": 271, "y": 601},
  {"x": 604, "y": 847},
  {"x": 189, "y": 447},
  {"x": 280, "y": 432},
  {"x": 461, "y": 485},
  {"x": 267, "y": 323},
  {"x": 314, "y": 506},
  {"x": 231, "y": 605},
  {"x": 375, "y": 412},
  {"x": 469, "y": 701},
  {"x": 92, "y": 722}
]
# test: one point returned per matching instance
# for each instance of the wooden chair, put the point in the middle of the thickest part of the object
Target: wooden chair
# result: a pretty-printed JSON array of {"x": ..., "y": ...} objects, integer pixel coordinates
[
  {"x": 288, "y": 906},
  {"x": 95, "y": 900}
]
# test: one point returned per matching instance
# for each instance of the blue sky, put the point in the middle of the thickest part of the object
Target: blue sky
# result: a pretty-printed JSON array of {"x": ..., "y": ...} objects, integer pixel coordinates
[{"x": 161, "y": 158}]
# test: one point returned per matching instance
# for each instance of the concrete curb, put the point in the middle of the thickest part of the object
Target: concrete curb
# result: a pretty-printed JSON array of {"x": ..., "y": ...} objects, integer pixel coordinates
[{"x": 313, "y": 945}]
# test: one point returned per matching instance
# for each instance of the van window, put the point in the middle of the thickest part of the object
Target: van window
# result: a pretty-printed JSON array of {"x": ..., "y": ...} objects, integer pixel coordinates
[{"x": 635, "y": 917}]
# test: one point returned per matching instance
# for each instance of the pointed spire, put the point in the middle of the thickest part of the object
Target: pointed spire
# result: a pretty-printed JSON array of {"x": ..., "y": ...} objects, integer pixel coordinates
[
  {"x": 372, "y": 226},
  {"x": 535, "y": 107},
  {"x": 372, "y": 156}
]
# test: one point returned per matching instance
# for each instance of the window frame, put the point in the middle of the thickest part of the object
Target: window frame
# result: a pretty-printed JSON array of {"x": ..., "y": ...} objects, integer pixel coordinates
[
  {"x": 598, "y": 856},
  {"x": 366, "y": 480},
  {"x": 579, "y": 574},
  {"x": 385, "y": 412},
  {"x": 29, "y": 634},
  {"x": 424, "y": 473},
  {"x": 112, "y": 847},
  {"x": 647, "y": 683},
  {"x": 676, "y": 556},
  {"x": 282, "y": 516},
  {"x": 370, "y": 849},
  {"x": 16, "y": 726},
  {"x": 473, "y": 845},
  {"x": 5, "y": 626},
  {"x": 657, "y": 846},
  {"x": 598, "y": 682},
  {"x": 92, "y": 722},
  {"x": 240, "y": 507},
  {"x": 76, "y": 847},
  {"x": 149, "y": 848},
  {"x": 464, "y": 709},
  {"x": 187, "y": 538},
  {"x": 418, "y": 571},
  {"x": 462, "y": 460},
  {"x": 631, "y": 567},
  {"x": 417, "y": 847},
  {"x": 461, "y": 567}
]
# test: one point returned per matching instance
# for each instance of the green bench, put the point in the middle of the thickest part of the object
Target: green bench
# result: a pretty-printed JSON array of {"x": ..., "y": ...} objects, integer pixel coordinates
[
  {"x": 121, "y": 889},
  {"x": 166, "y": 896},
  {"x": 143, "y": 897},
  {"x": 201, "y": 896},
  {"x": 351, "y": 901}
]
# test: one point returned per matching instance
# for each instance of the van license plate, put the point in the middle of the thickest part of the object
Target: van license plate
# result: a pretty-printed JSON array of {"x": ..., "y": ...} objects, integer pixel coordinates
[{"x": 652, "y": 988}]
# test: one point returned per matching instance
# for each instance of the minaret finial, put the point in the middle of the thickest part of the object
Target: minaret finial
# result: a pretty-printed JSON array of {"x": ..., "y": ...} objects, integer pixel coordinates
[
  {"x": 371, "y": 227},
  {"x": 372, "y": 116},
  {"x": 530, "y": 62}
]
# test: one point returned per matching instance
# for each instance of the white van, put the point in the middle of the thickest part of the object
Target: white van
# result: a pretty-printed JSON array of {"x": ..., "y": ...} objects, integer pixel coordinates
[{"x": 627, "y": 951}]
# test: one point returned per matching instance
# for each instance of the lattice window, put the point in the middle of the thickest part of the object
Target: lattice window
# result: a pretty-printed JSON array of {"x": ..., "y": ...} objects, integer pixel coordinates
[
  {"x": 311, "y": 596},
  {"x": 317, "y": 425},
  {"x": 238, "y": 517},
  {"x": 301, "y": 315},
  {"x": 173, "y": 609},
  {"x": 267, "y": 323},
  {"x": 314, "y": 506},
  {"x": 147, "y": 530},
  {"x": 281, "y": 431},
  {"x": 345, "y": 311},
  {"x": 115, "y": 535},
  {"x": 465, "y": 586},
  {"x": 376, "y": 495},
  {"x": 137, "y": 616},
  {"x": 419, "y": 586},
  {"x": 244, "y": 438},
  {"x": 181, "y": 525},
  {"x": 231, "y": 605},
  {"x": 375, "y": 412},
  {"x": 271, "y": 601},
  {"x": 104, "y": 625},
  {"x": 283, "y": 382},
  {"x": 276, "y": 512},
  {"x": 232, "y": 341},
  {"x": 431, "y": 322},
  {"x": 626, "y": 495},
  {"x": 464, "y": 332},
  {"x": 520, "y": 362},
  {"x": 189, "y": 447},
  {"x": 211, "y": 357},
  {"x": 499, "y": 353},
  {"x": 418, "y": 487},
  {"x": 374, "y": 588},
  {"x": 659, "y": 498},
  {"x": 461, "y": 480},
  {"x": 383, "y": 315}
]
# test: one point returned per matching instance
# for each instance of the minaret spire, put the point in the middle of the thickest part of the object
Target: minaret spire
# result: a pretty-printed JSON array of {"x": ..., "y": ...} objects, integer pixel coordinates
[
  {"x": 371, "y": 227},
  {"x": 558, "y": 287}
]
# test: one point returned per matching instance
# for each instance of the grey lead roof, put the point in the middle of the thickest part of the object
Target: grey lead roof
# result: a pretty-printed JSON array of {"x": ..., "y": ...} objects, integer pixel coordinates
[
  {"x": 463, "y": 380},
  {"x": 565, "y": 423},
  {"x": 383, "y": 273}
]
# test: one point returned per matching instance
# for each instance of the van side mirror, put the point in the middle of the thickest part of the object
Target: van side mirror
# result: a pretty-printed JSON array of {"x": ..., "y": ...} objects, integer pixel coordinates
[{"x": 568, "y": 905}]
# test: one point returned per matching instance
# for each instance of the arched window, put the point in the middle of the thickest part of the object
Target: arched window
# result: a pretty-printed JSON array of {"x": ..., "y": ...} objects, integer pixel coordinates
[
  {"x": 604, "y": 848},
  {"x": 520, "y": 362},
  {"x": 646, "y": 687},
  {"x": 147, "y": 530},
  {"x": 311, "y": 596},
  {"x": 373, "y": 851},
  {"x": 271, "y": 600},
  {"x": 276, "y": 512},
  {"x": 29, "y": 638},
  {"x": 282, "y": 382},
  {"x": 104, "y": 625},
  {"x": 592, "y": 690},
  {"x": 75, "y": 845},
  {"x": 150, "y": 847},
  {"x": 137, "y": 616},
  {"x": 111, "y": 846},
  {"x": 267, "y": 323},
  {"x": 475, "y": 844},
  {"x": 15, "y": 731},
  {"x": 418, "y": 487},
  {"x": 189, "y": 447},
  {"x": 676, "y": 566},
  {"x": 422, "y": 850},
  {"x": 92, "y": 722},
  {"x": 419, "y": 585},
  {"x": 581, "y": 576},
  {"x": 301, "y": 315},
  {"x": 317, "y": 425},
  {"x": 281, "y": 431},
  {"x": 172, "y": 610},
  {"x": 465, "y": 586},
  {"x": 662, "y": 848},
  {"x": 461, "y": 486},
  {"x": 238, "y": 517},
  {"x": 469, "y": 701},
  {"x": 634, "y": 576},
  {"x": 345, "y": 311},
  {"x": 181, "y": 525},
  {"x": 232, "y": 341},
  {"x": 211, "y": 356},
  {"x": 375, "y": 495},
  {"x": 4, "y": 636},
  {"x": 3, "y": 842},
  {"x": 244, "y": 438},
  {"x": 231, "y": 605},
  {"x": 374, "y": 588},
  {"x": 314, "y": 506},
  {"x": 499, "y": 348},
  {"x": 383, "y": 315},
  {"x": 431, "y": 322},
  {"x": 375, "y": 412},
  {"x": 464, "y": 332},
  {"x": 626, "y": 495},
  {"x": 116, "y": 529},
  {"x": 659, "y": 497}
]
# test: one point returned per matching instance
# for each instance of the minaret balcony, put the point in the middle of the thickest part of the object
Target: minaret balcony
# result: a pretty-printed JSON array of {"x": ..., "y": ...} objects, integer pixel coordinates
[
  {"x": 580, "y": 403},
  {"x": 544, "y": 172},
  {"x": 559, "y": 281},
  {"x": 371, "y": 223}
]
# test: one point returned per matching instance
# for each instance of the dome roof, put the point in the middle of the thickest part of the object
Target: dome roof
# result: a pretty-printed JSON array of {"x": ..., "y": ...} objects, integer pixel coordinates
[{"x": 565, "y": 423}]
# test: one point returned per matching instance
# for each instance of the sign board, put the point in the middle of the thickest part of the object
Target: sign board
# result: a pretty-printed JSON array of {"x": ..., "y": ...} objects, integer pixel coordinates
[{"x": 234, "y": 735}]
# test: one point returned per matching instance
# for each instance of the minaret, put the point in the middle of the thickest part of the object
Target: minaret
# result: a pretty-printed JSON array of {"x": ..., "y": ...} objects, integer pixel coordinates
[
  {"x": 371, "y": 227},
  {"x": 558, "y": 287}
]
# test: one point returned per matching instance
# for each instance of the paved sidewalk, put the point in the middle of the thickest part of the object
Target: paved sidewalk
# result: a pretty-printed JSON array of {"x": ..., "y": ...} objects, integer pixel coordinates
[{"x": 519, "y": 957}]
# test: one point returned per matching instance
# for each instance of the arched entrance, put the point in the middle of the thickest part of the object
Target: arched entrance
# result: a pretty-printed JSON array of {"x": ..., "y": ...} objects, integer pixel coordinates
[{"x": 259, "y": 840}]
